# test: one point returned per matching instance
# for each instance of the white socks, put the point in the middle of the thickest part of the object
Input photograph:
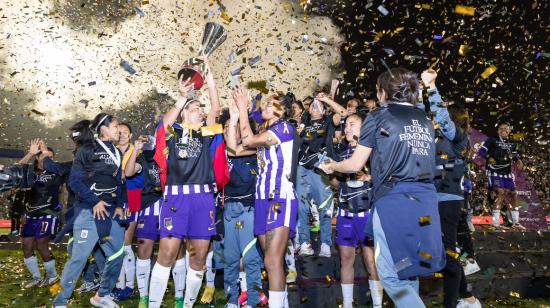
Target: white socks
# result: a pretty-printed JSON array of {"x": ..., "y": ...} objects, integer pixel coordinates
[
  {"x": 159, "y": 281},
  {"x": 242, "y": 280},
  {"x": 376, "y": 292},
  {"x": 515, "y": 216},
  {"x": 210, "y": 273},
  {"x": 143, "y": 272},
  {"x": 277, "y": 299},
  {"x": 50, "y": 268},
  {"x": 496, "y": 218},
  {"x": 347, "y": 294},
  {"x": 129, "y": 266},
  {"x": 193, "y": 285},
  {"x": 32, "y": 266},
  {"x": 179, "y": 275}
]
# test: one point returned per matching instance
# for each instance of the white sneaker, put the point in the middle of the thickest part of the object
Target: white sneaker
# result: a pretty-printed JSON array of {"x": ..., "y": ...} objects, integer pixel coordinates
[
  {"x": 325, "y": 251},
  {"x": 32, "y": 283},
  {"x": 48, "y": 281},
  {"x": 229, "y": 305},
  {"x": 471, "y": 267},
  {"x": 462, "y": 303},
  {"x": 103, "y": 302},
  {"x": 87, "y": 286},
  {"x": 305, "y": 250}
]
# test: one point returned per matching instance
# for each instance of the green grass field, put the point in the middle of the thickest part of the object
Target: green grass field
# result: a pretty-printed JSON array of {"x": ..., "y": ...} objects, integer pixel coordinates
[{"x": 13, "y": 272}]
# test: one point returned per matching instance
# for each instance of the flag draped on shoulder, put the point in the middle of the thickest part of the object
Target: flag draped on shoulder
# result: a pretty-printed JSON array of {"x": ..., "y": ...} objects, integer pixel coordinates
[
  {"x": 161, "y": 153},
  {"x": 217, "y": 153}
]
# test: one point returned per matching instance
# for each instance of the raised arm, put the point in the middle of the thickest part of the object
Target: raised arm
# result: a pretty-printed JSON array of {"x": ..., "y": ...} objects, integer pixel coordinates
[
  {"x": 212, "y": 94},
  {"x": 249, "y": 140},
  {"x": 172, "y": 115},
  {"x": 233, "y": 147},
  {"x": 131, "y": 166},
  {"x": 339, "y": 111},
  {"x": 442, "y": 117},
  {"x": 34, "y": 149}
]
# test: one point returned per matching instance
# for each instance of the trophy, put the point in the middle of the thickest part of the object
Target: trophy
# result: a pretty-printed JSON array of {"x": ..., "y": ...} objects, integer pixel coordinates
[{"x": 194, "y": 68}]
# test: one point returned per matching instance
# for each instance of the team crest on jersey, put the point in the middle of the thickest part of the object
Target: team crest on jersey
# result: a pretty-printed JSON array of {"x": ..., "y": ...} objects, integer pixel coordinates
[
  {"x": 168, "y": 223},
  {"x": 84, "y": 233}
]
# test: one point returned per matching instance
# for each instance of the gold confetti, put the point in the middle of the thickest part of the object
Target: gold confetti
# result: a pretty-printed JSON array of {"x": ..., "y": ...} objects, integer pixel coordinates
[
  {"x": 239, "y": 225},
  {"x": 55, "y": 288},
  {"x": 463, "y": 50},
  {"x": 465, "y": 10},
  {"x": 452, "y": 254},
  {"x": 488, "y": 71},
  {"x": 425, "y": 255},
  {"x": 425, "y": 220},
  {"x": 226, "y": 17}
]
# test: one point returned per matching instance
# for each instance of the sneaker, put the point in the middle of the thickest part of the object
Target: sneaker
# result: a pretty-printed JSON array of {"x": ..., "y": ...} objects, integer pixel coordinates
[
  {"x": 178, "y": 303},
  {"x": 32, "y": 283},
  {"x": 49, "y": 281},
  {"x": 291, "y": 276},
  {"x": 229, "y": 305},
  {"x": 207, "y": 295},
  {"x": 471, "y": 267},
  {"x": 325, "y": 251},
  {"x": 518, "y": 226},
  {"x": 305, "y": 250},
  {"x": 103, "y": 301},
  {"x": 262, "y": 299},
  {"x": 243, "y": 297},
  {"x": 125, "y": 294},
  {"x": 143, "y": 302},
  {"x": 463, "y": 303},
  {"x": 88, "y": 286}
]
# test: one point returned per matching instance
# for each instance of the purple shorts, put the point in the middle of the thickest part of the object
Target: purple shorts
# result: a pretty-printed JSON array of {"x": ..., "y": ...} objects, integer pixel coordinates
[
  {"x": 271, "y": 214},
  {"x": 505, "y": 181},
  {"x": 38, "y": 227},
  {"x": 350, "y": 229},
  {"x": 148, "y": 222},
  {"x": 188, "y": 211},
  {"x": 133, "y": 215}
]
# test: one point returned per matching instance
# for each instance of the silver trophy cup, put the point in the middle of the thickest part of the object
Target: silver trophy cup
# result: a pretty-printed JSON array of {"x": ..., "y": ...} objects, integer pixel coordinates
[{"x": 194, "y": 68}]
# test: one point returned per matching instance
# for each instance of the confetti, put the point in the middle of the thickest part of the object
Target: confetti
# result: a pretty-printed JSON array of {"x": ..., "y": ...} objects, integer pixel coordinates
[
  {"x": 488, "y": 71},
  {"x": 425, "y": 255},
  {"x": 465, "y": 10},
  {"x": 382, "y": 10}
]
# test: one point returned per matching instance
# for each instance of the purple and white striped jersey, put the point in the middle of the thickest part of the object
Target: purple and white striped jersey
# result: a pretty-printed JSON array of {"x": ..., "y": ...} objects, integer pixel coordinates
[{"x": 275, "y": 164}]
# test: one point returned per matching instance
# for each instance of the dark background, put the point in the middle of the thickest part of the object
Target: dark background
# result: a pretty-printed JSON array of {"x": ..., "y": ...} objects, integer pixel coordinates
[{"x": 512, "y": 35}]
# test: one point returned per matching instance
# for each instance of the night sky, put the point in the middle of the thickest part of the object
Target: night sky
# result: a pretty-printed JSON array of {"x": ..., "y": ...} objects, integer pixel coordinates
[{"x": 511, "y": 35}]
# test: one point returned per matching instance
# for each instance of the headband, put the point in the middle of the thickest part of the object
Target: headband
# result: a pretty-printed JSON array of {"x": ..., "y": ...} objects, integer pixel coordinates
[{"x": 101, "y": 122}]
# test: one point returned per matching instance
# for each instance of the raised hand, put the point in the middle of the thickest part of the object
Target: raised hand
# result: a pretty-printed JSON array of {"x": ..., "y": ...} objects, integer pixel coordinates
[
  {"x": 184, "y": 87},
  {"x": 140, "y": 141},
  {"x": 321, "y": 96},
  {"x": 241, "y": 98},
  {"x": 428, "y": 78},
  {"x": 34, "y": 148}
]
